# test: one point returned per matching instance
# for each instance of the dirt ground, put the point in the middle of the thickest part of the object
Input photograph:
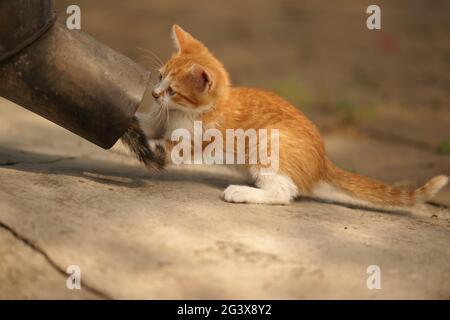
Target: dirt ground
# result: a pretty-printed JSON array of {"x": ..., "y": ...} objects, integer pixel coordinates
[{"x": 381, "y": 98}]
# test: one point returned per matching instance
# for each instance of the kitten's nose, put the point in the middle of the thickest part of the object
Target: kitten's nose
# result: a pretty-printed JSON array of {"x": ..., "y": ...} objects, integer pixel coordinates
[{"x": 155, "y": 94}]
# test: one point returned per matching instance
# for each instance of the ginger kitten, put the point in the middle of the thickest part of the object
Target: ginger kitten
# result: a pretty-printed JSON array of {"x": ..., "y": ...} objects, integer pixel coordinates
[{"x": 194, "y": 86}]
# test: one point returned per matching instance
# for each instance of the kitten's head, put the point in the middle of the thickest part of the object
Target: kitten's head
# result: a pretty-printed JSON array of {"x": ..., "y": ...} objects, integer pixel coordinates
[{"x": 193, "y": 79}]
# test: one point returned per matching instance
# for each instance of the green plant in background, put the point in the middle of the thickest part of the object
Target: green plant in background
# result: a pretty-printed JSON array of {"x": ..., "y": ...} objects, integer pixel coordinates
[
  {"x": 350, "y": 113},
  {"x": 444, "y": 147},
  {"x": 348, "y": 110},
  {"x": 293, "y": 90},
  {"x": 363, "y": 79}
]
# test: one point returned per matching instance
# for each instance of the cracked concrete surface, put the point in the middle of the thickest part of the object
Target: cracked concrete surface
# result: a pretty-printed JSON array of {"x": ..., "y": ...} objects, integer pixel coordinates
[
  {"x": 32, "y": 273},
  {"x": 65, "y": 202}
]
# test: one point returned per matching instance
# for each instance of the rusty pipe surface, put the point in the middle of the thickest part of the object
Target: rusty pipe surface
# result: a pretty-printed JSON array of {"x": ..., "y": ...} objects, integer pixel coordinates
[{"x": 65, "y": 75}]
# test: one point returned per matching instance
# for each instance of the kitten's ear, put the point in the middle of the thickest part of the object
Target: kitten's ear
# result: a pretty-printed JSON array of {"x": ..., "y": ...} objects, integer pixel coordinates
[
  {"x": 184, "y": 42},
  {"x": 201, "y": 77}
]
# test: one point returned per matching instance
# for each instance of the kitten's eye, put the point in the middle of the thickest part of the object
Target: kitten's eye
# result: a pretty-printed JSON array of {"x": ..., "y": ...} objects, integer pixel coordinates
[{"x": 171, "y": 92}]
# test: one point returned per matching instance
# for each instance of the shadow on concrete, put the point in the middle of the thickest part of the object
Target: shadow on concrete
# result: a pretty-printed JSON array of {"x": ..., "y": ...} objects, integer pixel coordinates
[
  {"x": 131, "y": 176},
  {"x": 393, "y": 211},
  {"x": 102, "y": 171}
]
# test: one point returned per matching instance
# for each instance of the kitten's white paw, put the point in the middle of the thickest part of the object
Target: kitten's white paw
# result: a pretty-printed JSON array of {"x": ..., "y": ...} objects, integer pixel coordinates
[
  {"x": 239, "y": 194},
  {"x": 245, "y": 194}
]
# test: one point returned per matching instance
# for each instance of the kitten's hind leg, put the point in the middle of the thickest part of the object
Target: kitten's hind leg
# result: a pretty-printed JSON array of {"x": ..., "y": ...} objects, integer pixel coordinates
[{"x": 270, "y": 189}]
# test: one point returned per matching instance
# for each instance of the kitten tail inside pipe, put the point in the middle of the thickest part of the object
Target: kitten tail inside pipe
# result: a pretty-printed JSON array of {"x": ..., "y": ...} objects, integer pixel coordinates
[{"x": 65, "y": 75}]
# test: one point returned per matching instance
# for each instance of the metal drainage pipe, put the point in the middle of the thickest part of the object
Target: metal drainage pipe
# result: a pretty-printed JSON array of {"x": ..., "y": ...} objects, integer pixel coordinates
[{"x": 65, "y": 75}]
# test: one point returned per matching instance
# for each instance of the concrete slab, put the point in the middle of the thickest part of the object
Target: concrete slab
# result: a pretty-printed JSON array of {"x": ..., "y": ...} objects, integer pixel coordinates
[{"x": 170, "y": 235}]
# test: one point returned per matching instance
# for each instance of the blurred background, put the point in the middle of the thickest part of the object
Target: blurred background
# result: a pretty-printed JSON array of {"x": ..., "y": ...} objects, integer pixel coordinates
[{"x": 391, "y": 83}]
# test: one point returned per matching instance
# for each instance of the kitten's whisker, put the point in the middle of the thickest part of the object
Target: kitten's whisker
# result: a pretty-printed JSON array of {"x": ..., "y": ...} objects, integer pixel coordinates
[
  {"x": 153, "y": 55},
  {"x": 153, "y": 64},
  {"x": 164, "y": 107},
  {"x": 167, "y": 117},
  {"x": 153, "y": 58},
  {"x": 150, "y": 62},
  {"x": 159, "y": 116}
]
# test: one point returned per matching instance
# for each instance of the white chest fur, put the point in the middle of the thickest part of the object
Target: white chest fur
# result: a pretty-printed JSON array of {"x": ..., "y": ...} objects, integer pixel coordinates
[{"x": 180, "y": 120}]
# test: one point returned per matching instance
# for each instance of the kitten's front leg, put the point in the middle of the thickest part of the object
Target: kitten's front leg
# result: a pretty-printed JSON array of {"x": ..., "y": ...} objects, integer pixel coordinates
[
  {"x": 159, "y": 149},
  {"x": 270, "y": 189},
  {"x": 152, "y": 153}
]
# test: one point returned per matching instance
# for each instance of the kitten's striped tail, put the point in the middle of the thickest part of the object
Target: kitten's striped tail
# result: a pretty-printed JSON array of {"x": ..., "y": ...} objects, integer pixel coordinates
[
  {"x": 377, "y": 192},
  {"x": 136, "y": 140}
]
